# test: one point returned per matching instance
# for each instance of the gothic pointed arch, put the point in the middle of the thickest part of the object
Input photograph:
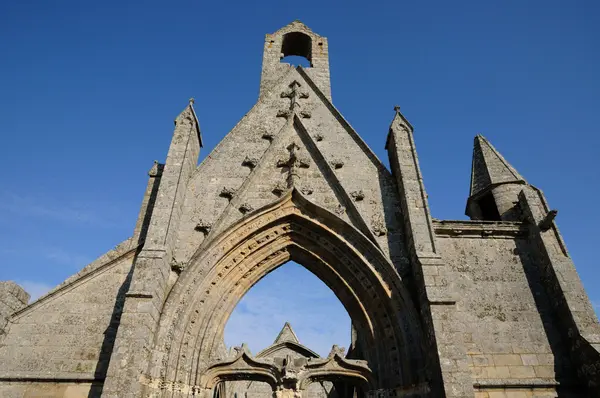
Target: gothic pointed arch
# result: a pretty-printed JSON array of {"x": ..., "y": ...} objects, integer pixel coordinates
[{"x": 192, "y": 324}]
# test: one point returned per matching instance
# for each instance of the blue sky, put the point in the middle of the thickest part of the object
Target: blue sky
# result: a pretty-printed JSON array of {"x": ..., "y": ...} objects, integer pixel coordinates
[{"x": 89, "y": 91}]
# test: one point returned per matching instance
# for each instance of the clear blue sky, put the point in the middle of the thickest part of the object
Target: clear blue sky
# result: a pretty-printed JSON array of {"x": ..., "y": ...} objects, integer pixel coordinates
[{"x": 89, "y": 91}]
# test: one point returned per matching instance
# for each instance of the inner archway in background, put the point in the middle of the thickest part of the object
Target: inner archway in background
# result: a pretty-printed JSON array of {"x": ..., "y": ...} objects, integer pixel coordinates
[{"x": 291, "y": 294}]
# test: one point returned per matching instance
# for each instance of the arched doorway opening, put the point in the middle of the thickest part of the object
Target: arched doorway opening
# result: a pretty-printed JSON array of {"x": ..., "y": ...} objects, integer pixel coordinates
[
  {"x": 290, "y": 295},
  {"x": 386, "y": 327}
]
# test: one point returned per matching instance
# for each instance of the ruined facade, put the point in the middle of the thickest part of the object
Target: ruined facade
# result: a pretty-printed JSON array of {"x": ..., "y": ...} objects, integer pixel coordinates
[{"x": 490, "y": 307}]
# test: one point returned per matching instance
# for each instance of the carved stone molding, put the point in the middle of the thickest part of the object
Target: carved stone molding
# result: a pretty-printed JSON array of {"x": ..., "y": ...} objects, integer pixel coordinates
[
  {"x": 250, "y": 162},
  {"x": 227, "y": 193}
]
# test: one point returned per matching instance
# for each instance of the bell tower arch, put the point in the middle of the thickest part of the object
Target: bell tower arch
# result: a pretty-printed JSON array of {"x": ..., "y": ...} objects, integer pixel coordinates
[{"x": 295, "y": 39}]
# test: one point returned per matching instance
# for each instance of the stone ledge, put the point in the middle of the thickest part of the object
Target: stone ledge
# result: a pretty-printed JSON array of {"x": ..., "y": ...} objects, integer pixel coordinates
[
  {"x": 516, "y": 383},
  {"x": 45, "y": 378},
  {"x": 479, "y": 229}
]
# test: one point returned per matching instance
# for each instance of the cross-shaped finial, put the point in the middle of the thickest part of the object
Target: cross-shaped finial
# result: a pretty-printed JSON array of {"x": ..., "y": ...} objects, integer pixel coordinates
[
  {"x": 192, "y": 100},
  {"x": 397, "y": 108},
  {"x": 292, "y": 164},
  {"x": 294, "y": 94}
]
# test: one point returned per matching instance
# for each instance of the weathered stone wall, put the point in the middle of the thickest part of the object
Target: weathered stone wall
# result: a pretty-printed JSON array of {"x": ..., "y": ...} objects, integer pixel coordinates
[
  {"x": 48, "y": 390},
  {"x": 343, "y": 176},
  {"x": 61, "y": 344},
  {"x": 507, "y": 320},
  {"x": 12, "y": 299}
]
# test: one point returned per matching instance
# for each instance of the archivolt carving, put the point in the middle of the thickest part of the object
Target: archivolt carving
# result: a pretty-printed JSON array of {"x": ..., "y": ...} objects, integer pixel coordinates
[{"x": 225, "y": 267}]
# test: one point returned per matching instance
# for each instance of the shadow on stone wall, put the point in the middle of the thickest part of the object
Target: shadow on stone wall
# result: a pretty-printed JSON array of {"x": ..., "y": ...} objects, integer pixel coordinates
[
  {"x": 565, "y": 372},
  {"x": 110, "y": 334}
]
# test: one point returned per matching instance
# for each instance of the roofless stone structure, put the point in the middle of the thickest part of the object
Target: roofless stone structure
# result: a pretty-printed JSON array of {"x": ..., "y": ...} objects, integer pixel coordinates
[{"x": 490, "y": 307}]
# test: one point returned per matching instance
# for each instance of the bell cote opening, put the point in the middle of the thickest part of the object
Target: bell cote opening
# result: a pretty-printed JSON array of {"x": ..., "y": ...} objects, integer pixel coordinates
[
  {"x": 296, "y": 49},
  {"x": 292, "y": 46}
]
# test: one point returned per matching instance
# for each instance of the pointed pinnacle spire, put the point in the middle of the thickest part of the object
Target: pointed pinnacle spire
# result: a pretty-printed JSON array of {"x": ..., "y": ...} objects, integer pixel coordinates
[
  {"x": 286, "y": 334},
  {"x": 187, "y": 111},
  {"x": 400, "y": 117},
  {"x": 489, "y": 167}
]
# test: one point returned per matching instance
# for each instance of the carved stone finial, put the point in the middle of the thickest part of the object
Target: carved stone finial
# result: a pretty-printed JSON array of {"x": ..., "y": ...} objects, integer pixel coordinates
[
  {"x": 192, "y": 100},
  {"x": 245, "y": 208},
  {"x": 341, "y": 351},
  {"x": 156, "y": 170},
  {"x": 227, "y": 193},
  {"x": 294, "y": 94},
  {"x": 293, "y": 163},
  {"x": 397, "y": 108},
  {"x": 378, "y": 225},
  {"x": 203, "y": 227},
  {"x": 357, "y": 195},
  {"x": 250, "y": 162}
]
